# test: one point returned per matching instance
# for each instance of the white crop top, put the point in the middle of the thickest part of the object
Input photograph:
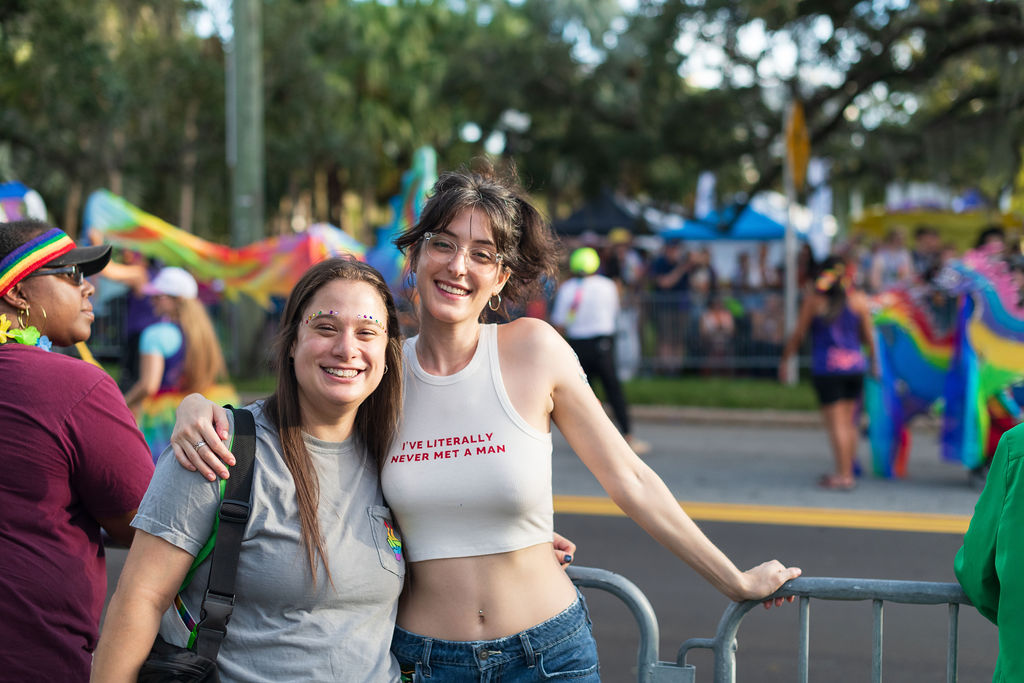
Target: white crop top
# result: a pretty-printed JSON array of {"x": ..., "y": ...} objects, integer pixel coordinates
[{"x": 467, "y": 475}]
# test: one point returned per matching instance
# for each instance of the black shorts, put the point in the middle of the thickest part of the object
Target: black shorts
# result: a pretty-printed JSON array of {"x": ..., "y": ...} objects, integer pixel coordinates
[{"x": 832, "y": 388}]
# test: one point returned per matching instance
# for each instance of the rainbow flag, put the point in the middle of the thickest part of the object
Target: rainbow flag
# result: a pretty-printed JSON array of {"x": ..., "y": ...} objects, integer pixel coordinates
[
  {"x": 913, "y": 360},
  {"x": 964, "y": 360},
  {"x": 260, "y": 270}
]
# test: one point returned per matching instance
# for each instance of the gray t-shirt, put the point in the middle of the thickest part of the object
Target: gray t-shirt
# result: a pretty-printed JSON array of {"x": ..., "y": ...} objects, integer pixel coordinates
[{"x": 284, "y": 628}]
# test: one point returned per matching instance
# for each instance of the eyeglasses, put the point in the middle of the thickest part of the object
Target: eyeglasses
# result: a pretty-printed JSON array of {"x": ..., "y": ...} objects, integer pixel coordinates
[
  {"x": 74, "y": 273},
  {"x": 443, "y": 249}
]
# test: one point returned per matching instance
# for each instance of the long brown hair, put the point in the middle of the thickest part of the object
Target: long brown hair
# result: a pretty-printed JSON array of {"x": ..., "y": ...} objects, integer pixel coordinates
[
  {"x": 377, "y": 417},
  {"x": 832, "y": 280},
  {"x": 204, "y": 361},
  {"x": 522, "y": 235}
]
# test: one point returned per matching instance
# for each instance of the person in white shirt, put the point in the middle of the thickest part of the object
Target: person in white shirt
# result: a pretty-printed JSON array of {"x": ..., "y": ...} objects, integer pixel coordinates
[{"x": 585, "y": 311}]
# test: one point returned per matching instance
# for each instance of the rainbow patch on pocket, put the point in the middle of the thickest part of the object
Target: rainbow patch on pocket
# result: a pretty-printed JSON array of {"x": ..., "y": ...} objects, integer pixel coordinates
[{"x": 394, "y": 542}]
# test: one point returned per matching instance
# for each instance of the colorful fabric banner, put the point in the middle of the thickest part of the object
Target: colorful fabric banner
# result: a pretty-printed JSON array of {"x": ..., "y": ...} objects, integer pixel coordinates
[
  {"x": 406, "y": 206},
  {"x": 260, "y": 270},
  {"x": 957, "y": 345}
]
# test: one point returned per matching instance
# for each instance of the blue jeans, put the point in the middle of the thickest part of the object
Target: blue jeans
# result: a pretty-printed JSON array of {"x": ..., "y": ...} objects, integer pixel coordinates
[{"x": 561, "y": 648}]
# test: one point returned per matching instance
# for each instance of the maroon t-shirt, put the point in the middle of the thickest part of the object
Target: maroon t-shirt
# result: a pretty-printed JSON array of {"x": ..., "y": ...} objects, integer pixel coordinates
[{"x": 69, "y": 453}]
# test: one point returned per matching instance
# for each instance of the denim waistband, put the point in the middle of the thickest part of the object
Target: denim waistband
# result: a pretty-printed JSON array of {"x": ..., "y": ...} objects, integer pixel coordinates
[{"x": 491, "y": 653}]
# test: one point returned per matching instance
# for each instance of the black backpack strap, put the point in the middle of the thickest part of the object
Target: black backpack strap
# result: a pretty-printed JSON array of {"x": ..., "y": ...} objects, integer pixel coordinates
[{"x": 233, "y": 514}]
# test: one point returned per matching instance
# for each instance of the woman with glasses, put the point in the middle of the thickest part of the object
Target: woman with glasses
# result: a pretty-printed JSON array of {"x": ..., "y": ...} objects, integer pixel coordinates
[
  {"x": 178, "y": 354},
  {"x": 73, "y": 461},
  {"x": 469, "y": 474}
]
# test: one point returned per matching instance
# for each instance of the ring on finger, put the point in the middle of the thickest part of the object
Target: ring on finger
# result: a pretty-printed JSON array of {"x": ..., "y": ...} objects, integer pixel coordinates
[{"x": 199, "y": 444}]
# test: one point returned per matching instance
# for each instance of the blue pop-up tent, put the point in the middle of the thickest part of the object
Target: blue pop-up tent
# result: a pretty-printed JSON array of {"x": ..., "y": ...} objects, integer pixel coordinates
[{"x": 719, "y": 225}]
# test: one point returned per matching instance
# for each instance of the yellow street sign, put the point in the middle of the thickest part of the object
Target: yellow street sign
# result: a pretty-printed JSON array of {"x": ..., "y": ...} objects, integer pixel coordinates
[{"x": 798, "y": 144}]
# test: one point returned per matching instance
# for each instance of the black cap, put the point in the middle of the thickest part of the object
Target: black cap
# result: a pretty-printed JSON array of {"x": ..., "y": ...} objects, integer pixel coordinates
[{"x": 90, "y": 259}]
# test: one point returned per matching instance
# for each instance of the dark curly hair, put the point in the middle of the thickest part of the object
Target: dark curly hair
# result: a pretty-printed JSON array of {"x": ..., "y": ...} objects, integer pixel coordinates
[
  {"x": 16, "y": 233},
  {"x": 522, "y": 235}
]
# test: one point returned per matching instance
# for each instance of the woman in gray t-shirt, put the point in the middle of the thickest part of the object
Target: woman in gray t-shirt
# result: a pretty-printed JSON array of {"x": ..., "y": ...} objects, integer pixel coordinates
[{"x": 321, "y": 566}]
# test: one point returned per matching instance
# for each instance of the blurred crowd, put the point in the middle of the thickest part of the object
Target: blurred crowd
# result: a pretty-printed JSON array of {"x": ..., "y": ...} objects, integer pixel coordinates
[
  {"x": 712, "y": 308},
  {"x": 718, "y": 308}
]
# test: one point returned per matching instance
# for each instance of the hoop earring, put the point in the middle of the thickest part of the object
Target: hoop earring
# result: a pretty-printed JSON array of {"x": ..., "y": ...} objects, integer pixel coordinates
[
  {"x": 44, "y": 312},
  {"x": 23, "y": 317},
  {"x": 494, "y": 306},
  {"x": 385, "y": 368}
]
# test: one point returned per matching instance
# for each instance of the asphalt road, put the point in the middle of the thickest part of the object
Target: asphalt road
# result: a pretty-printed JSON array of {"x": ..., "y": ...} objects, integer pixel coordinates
[{"x": 742, "y": 458}]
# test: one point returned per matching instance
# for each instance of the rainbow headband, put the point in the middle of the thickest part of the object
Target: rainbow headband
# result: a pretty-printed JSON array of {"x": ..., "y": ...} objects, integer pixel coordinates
[{"x": 32, "y": 255}]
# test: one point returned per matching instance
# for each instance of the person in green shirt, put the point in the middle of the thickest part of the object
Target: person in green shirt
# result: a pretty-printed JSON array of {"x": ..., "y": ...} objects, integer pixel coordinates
[{"x": 990, "y": 565}]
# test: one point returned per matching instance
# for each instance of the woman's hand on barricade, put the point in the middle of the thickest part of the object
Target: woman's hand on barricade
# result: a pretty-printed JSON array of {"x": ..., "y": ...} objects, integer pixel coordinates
[
  {"x": 564, "y": 549},
  {"x": 200, "y": 430},
  {"x": 766, "y": 578}
]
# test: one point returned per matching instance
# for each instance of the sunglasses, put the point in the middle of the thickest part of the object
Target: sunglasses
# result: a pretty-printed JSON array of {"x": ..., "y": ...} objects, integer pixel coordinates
[{"x": 74, "y": 273}]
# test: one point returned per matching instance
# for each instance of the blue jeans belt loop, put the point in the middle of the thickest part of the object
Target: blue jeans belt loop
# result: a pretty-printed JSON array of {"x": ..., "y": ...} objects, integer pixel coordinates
[
  {"x": 425, "y": 662},
  {"x": 528, "y": 653},
  {"x": 586, "y": 609}
]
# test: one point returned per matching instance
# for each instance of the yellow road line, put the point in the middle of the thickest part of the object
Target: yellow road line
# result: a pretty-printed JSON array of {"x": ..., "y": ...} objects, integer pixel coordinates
[{"x": 791, "y": 516}]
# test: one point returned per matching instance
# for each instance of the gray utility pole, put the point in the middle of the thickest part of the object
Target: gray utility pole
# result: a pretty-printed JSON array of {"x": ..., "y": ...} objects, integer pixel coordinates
[
  {"x": 245, "y": 156},
  {"x": 245, "y": 122}
]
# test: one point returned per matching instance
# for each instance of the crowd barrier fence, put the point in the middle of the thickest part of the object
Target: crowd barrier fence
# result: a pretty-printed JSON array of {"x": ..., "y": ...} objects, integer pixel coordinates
[
  {"x": 650, "y": 669},
  {"x": 659, "y": 334}
]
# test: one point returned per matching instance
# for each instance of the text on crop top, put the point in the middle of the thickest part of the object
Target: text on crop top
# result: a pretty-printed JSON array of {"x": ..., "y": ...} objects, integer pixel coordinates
[{"x": 467, "y": 475}]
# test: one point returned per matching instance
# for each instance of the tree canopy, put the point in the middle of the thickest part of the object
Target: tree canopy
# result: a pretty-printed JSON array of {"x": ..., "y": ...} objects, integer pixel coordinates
[{"x": 580, "y": 94}]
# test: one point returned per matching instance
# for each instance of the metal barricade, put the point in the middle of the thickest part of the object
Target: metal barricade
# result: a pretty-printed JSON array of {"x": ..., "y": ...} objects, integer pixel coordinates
[
  {"x": 674, "y": 336},
  {"x": 649, "y": 668},
  {"x": 723, "y": 646}
]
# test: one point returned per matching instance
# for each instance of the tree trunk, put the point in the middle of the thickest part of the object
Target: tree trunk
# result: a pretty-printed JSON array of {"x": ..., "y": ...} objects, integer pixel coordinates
[
  {"x": 366, "y": 211},
  {"x": 335, "y": 198},
  {"x": 186, "y": 213},
  {"x": 321, "y": 205},
  {"x": 115, "y": 178},
  {"x": 72, "y": 208}
]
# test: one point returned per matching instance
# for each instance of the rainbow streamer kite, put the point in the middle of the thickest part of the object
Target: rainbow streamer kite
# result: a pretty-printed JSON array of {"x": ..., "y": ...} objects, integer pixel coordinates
[
  {"x": 406, "y": 207},
  {"x": 260, "y": 270},
  {"x": 960, "y": 343},
  {"x": 270, "y": 267}
]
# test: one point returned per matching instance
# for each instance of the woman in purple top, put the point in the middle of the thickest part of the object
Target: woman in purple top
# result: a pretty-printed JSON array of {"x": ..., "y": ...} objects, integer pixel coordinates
[
  {"x": 842, "y": 346},
  {"x": 73, "y": 461}
]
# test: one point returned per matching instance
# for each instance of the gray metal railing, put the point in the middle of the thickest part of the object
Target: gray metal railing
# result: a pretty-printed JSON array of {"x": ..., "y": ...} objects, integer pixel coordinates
[
  {"x": 671, "y": 337},
  {"x": 649, "y": 668},
  {"x": 723, "y": 646}
]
